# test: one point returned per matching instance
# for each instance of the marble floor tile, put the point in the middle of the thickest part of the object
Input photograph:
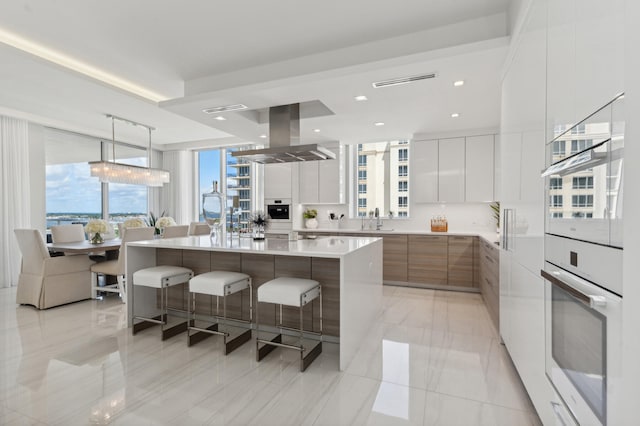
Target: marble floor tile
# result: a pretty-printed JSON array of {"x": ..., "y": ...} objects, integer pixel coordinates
[{"x": 432, "y": 358}]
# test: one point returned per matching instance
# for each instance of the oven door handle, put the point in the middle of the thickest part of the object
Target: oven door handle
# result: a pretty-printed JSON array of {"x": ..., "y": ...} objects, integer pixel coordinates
[{"x": 590, "y": 300}]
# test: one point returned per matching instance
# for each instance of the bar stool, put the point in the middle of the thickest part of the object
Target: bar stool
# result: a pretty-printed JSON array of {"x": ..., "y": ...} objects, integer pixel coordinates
[
  {"x": 219, "y": 284},
  {"x": 289, "y": 292},
  {"x": 160, "y": 277}
]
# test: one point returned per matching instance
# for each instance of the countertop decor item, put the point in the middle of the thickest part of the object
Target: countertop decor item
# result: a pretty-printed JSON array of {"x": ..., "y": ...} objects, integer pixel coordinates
[
  {"x": 439, "y": 224},
  {"x": 260, "y": 221},
  {"x": 213, "y": 209},
  {"x": 495, "y": 208},
  {"x": 96, "y": 228},
  {"x": 310, "y": 220}
]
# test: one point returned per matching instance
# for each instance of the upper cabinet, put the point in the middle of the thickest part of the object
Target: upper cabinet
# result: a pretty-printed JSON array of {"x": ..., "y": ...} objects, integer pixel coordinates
[
  {"x": 277, "y": 180},
  {"x": 322, "y": 182},
  {"x": 454, "y": 170},
  {"x": 451, "y": 170},
  {"x": 479, "y": 169}
]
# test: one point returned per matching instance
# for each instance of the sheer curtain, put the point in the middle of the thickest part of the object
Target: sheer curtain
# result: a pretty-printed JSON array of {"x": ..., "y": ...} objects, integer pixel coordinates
[
  {"x": 15, "y": 211},
  {"x": 178, "y": 194}
]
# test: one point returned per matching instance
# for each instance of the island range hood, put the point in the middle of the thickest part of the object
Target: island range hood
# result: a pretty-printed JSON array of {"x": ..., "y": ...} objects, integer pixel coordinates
[{"x": 284, "y": 139}]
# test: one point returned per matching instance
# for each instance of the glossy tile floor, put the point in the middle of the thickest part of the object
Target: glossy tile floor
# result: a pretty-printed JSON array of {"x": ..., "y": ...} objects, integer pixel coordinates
[{"x": 433, "y": 358}]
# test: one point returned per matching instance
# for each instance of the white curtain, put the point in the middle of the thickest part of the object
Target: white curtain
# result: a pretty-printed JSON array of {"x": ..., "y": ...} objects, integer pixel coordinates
[
  {"x": 15, "y": 211},
  {"x": 177, "y": 195}
]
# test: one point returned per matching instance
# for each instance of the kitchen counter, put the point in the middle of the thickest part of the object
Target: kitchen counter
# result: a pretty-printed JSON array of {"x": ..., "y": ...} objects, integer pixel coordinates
[
  {"x": 491, "y": 237},
  {"x": 349, "y": 269}
]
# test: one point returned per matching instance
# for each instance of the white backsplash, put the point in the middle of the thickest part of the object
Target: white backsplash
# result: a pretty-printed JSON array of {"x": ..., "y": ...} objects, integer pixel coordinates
[{"x": 460, "y": 216}]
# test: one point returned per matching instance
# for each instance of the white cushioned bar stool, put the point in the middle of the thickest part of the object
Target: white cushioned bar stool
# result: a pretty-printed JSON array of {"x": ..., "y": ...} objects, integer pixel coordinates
[
  {"x": 296, "y": 292},
  {"x": 219, "y": 284},
  {"x": 160, "y": 277}
]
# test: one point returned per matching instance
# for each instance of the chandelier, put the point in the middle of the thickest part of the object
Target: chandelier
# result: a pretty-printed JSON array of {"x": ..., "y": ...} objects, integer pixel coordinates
[{"x": 112, "y": 172}]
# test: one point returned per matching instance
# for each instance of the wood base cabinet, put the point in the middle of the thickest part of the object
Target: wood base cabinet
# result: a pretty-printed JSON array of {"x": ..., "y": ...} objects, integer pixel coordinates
[
  {"x": 460, "y": 261},
  {"x": 489, "y": 260},
  {"x": 428, "y": 259}
]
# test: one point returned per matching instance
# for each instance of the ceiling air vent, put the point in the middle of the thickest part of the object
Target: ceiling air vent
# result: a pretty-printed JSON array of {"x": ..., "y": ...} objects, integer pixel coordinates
[
  {"x": 226, "y": 108},
  {"x": 402, "y": 80}
]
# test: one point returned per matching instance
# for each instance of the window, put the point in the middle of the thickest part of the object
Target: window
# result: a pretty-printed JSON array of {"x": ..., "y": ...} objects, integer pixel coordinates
[
  {"x": 582, "y": 201},
  {"x": 234, "y": 176},
  {"x": 583, "y": 182},
  {"x": 555, "y": 183},
  {"x": 402, "y": 214},
  {"x": 555, "y": 201},
  {"x": 556, "y": 214},
  {"x": 403, "y": 201},
  {"x": 558, "y": 148},
  {"x": 362, "y": 203},
  {"x": 578, "y": 145},
  {"x": 582, "y": 215},
  {"x": 385, "y": 178},
  {"x": 72, "y": 195}
]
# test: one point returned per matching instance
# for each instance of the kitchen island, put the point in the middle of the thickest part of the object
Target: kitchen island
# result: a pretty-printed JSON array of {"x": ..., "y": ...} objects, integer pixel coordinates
[{"x": 348, "y": 268}]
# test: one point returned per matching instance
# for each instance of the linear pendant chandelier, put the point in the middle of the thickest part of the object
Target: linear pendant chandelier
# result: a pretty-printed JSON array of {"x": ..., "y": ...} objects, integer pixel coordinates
[{"x": 112, "y": 172}]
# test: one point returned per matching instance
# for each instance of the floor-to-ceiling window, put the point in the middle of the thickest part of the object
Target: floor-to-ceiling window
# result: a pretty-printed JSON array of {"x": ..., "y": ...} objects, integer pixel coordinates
[
  {"x": 128, "y": 201},
  {"x": 235, "y": 181}
]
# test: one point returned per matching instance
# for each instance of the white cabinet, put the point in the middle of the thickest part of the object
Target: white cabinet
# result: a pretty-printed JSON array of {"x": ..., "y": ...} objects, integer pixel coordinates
[
  {"x": 424, "y": 171},
  {"x": 479, "y": 168},
  {"x": 322, "y": 182},
  {"x": 451, "y": 170},
  {"x": 277, "y": 181}
]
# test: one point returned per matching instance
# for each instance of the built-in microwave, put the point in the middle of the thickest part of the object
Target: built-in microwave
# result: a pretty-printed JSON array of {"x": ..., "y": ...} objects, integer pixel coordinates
[
  {"x": 583, "y": 345},
  {"x": 585, "y": 179},
  {"x": 279, "y": 209}
]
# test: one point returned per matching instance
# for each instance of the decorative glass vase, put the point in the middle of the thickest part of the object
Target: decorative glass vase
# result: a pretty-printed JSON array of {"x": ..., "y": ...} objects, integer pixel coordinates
[
  {"x": 96, "y": 238},
  {"x": 258, "y": 232},
  {"x": 213, "y": 209}
]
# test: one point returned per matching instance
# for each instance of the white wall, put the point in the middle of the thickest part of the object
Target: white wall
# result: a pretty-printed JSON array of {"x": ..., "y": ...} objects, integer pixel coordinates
[{"x": 37, "y": 177}]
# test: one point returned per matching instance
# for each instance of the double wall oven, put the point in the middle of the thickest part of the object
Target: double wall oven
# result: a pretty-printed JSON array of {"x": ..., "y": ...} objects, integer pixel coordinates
[{"x": 583, "y": 264}]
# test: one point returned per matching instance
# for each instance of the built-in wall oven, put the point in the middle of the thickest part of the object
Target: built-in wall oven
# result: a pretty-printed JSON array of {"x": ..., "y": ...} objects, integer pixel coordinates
[
  {"x": 279, "y": 209},
  {"x": 583, "y": 264}
]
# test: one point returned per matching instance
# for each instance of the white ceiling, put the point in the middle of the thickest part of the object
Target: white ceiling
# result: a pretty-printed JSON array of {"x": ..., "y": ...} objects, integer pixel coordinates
[{"x": 205, "y": 53}]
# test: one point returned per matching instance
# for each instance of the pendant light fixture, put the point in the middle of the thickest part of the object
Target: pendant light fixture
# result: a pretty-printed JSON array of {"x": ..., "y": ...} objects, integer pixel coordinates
[{"x": 112, "y": 172}]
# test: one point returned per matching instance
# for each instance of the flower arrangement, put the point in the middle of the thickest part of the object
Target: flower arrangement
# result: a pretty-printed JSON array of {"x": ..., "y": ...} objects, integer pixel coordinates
[
  {"x": 260, "y": 221},
  {"x": 96, "y": 227},
  {"x": 164, "y": 221},
  {"x": 310, "y": 214},
  {"x": 134, "y": 223}
]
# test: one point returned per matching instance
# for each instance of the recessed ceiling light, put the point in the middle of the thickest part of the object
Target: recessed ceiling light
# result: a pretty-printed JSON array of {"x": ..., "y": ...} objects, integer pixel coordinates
[
  {"x": 360, "y": 98},
  {"x": 402, "y": 80},
  {"x": 455, "y": 115},
  {"x": 316, "y": 130},
  {"x": 220, "y": 118},
  {"x": 379, "y": 123},
  {"x": 263, "y": 136},
  {"x": 225, "y": 108},
  {"x": 458, "y": 83}
]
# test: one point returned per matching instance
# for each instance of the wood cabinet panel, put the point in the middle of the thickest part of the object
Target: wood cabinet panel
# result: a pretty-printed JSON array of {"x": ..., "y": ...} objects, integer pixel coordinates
[
  {"x": 427, "y": 259},
  {"x": 490, "y": 279},
  {"x": 460, "y": 261},
  {"x": 327, "y": 272},
  {"x": 394, "y": 255}
]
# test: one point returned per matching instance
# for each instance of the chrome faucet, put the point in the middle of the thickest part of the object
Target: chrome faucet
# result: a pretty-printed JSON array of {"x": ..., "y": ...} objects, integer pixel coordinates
[{"x": 378, "y": 220}]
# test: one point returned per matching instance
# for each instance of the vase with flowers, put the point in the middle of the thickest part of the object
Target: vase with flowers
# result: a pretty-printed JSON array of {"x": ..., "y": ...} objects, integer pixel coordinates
[
  {"x": 96, "y": 228},
  {"x": 310, "y": 220},
  {"x": 260, "y": 221},
  {"x": 163, "y": 222}
]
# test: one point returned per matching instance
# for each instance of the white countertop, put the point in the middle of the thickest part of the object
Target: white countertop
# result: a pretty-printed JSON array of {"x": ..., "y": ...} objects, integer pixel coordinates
[
  {"x": 491, "y": 237},
  {"x": 333, "y": 247}
]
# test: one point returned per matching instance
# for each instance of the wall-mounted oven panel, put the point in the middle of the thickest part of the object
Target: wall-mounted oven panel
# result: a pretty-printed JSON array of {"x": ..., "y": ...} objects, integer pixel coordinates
[
  {"x": 593, "y": 262},
  {"x": 583, "y": 346},
  {"x": 279, "y": 210}
]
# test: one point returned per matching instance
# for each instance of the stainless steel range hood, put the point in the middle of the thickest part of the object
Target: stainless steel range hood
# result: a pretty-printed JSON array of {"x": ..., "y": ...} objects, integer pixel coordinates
[{"x": 284, "y": 139}]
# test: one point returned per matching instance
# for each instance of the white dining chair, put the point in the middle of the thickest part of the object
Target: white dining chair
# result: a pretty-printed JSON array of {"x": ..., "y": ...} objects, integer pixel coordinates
[
  {"x": 199, "y": 228},
  {"x": 175, "y": 231}
]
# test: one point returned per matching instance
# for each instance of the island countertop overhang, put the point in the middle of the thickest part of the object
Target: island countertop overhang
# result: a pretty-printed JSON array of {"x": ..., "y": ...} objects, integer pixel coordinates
[{"x": 333, "y": 247}]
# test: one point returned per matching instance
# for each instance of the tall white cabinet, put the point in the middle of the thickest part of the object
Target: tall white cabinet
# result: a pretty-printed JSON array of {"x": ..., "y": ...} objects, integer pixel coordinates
[{"x": 323, "y": 182}]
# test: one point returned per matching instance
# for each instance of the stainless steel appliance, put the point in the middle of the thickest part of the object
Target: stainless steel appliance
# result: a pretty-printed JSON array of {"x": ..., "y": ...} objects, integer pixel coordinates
[
  {"x": 583, "y": 264},
  {"x": 279, "y": 210}
]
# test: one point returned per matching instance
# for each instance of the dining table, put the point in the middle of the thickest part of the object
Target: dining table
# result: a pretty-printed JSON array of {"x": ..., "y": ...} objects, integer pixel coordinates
[{"x": 85, "y": 247}]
